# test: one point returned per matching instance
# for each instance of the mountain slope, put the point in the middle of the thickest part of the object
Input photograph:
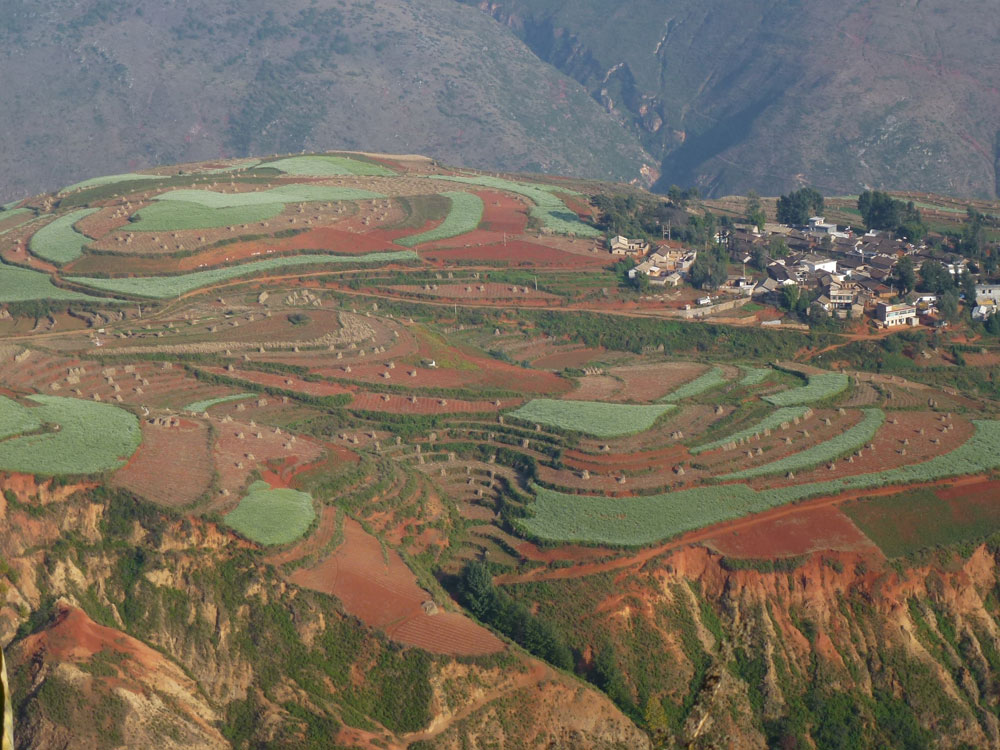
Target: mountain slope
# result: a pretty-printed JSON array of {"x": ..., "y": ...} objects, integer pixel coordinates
[
  {"x": 773, "y": 95},
  {"x": 102, "y": 86}
]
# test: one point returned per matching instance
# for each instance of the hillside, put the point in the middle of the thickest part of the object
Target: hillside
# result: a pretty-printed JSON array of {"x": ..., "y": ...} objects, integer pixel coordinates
[
  {"x": 726, "y": 96},
  {"x": 96, "y": 87},
  {"x": 354, "y": 450},
  {"x": 770, "y": 96}
]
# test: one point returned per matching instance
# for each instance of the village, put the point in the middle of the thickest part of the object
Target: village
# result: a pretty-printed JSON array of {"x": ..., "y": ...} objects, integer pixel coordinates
[{"x": 841, "y": 274}]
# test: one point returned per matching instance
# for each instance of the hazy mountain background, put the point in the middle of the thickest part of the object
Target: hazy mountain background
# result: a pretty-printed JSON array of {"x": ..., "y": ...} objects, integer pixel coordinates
[{"x": 723, "y": 94}]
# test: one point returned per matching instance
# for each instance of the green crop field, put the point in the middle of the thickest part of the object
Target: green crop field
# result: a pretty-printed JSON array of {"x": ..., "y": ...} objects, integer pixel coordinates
[
  {"x": 592, "y": 417},
  {"x": 464, "y": 215},
  {"x": 166, "y": 287},
  {"x": 173, "y": 215},
  {"x": 822, "y": 386},
  {"x": 770, "y": 422},
  {"x": 16, "y": 419},
  {"x": 635, "y": 521},
  {"x": 22, "y": 284},
  {"x": 711, "y": 379},
  {"x": 206, "y": 403},
  {"x": 110, "y": 179},
  {"x": 58, "y": 241},
  {"x": 829, "y": 450},
  {"x": 272, "y": 516},
  {"x": 281, "y": 194},
  {"x": 549, "y": 210},
  {"x": 91, "y": 437},
  {"x": 754, "y": 375},
  {"x": 328, "y": 166}
]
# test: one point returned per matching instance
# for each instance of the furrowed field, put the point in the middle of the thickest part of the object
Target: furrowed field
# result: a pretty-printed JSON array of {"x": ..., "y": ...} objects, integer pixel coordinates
[
  {"x": 822, "y": 386},
  {"x": 91, "y": 437},
  {"x": 165, "y": 287},
  {"x": 270, "y": 516},
  {"x": 58, "y": 241},
  {"x": 771, "y": 422},
  {"x": 846, "y": 442},
  {"x": 464, "y": 215},
  {"x": 592, "y": 417},
  {"x": 635, "y": 521},
  {"x": 711, "y": 379}
]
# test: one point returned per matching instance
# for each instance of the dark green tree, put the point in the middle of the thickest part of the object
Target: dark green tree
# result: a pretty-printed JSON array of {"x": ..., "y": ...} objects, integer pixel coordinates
[
  {"x": 755, "y": 215},
  {"x": 903, "y": 275},
  {"x": 934, "y": 278},
  {"x": 796, "y": 207}
]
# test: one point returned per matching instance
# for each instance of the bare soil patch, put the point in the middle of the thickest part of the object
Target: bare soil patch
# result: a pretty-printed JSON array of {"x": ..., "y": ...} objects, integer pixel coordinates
[{"x": 173, "y": 466}]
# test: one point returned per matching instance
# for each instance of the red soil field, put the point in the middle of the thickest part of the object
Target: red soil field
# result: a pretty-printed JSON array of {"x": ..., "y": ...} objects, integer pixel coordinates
[
  {"x": 571, "y": 358},
  {"x": 888, "y": 443},
  {"x": 988, "y": 490},
  {"x": 380, "y": 590},
  {"x": 286, "y": 382},
  {"x": 173, "y": 466},
  {"x": 403, "y": 405},
  {"x": 234, "y": 466},
  {"x": 651, "y": 382},
  {"x": 502, "y": 212},
  {"x": 812, "y": 530},
  {"x": 516, "y": 252},
  {"x": 315, "y": 542}
]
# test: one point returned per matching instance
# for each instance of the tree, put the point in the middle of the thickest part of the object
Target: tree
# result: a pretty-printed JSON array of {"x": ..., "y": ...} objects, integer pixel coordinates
[
  {"x": 993, "y": 325},
  {"x": 968, "y": 286},
  {"x": 881, "y": 211},
  {"x": 755, "y": 215},
  {"x": 948, "y": 305},
  {"x": 904, "y": 276},
  {"x": 799, "y": 205},
  {"x": 934, "y": 278},
  {"x": 709, "y": 269},
  {"x": 758, "y": 257},
  {"x": 777, "y": 247}
]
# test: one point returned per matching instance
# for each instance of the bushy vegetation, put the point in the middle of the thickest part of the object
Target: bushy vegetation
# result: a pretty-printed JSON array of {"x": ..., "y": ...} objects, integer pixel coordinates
[
  {"x": 592, "y": 417},
  {"x": 328, "y": 166},
  {"x": 58, "y": 241},
  {"x": 711, "y": 379},
  {"x": 635, "y": 521},
  {"x": 495, "y": 607},
  {"x": 771, "y": 422},
  {"x": 822, "y": 386},
  {"x": 549, "y": 210},
  {"x": 281, "y": 194},
  {"x": 206, "y": 403},
  {"x": 270, "y": 516},
  {"x": 910, "y": 521},
  {"x": 172, "y": 215},
  {"x": 829, "y": 450},
  {"x": 165, "y": 287},
  {"x": 464, "y": 215},
  {"x": 597, "y": 330},
  {"x": 91, "y": 437}
]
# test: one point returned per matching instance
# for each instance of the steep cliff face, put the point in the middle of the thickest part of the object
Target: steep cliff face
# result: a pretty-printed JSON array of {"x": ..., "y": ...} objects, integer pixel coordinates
[
  {"x": 732, "y": 96},
  {"x": 841, "y": 645},
  {"x": 129, "y": 627}
]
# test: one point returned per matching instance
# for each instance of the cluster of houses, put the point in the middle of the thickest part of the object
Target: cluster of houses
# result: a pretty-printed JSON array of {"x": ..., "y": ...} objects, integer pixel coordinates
[
  {"x": 666, "y": 264},
  {"x": 848, "y": 274}
]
